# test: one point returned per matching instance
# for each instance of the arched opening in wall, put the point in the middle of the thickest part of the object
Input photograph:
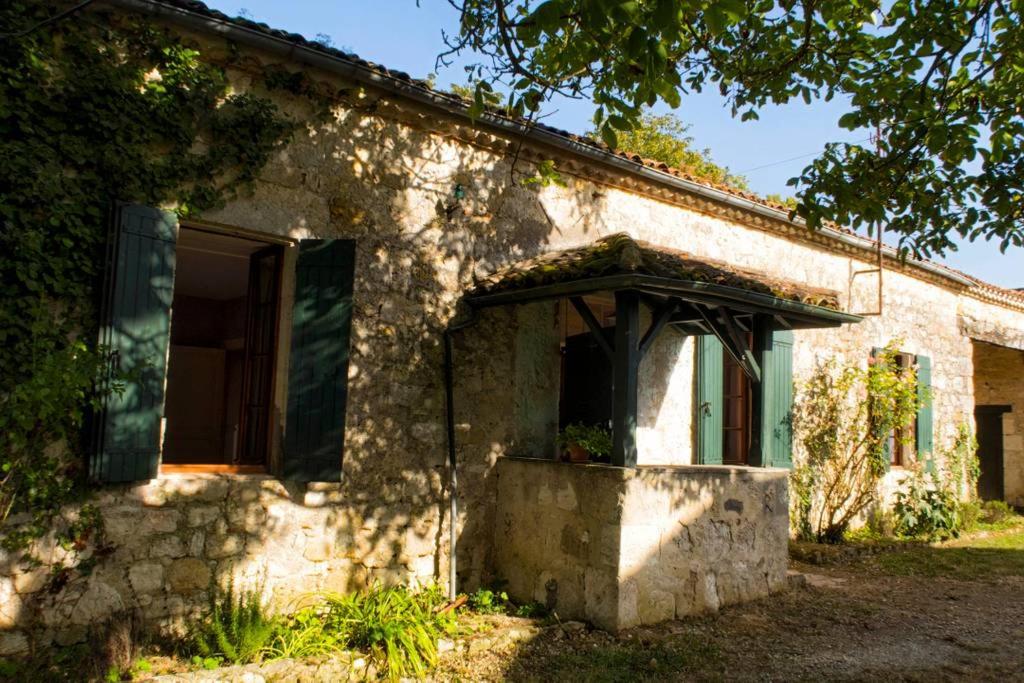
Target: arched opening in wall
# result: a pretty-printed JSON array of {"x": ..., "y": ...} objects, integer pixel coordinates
[{"x": 224, "y": 320}]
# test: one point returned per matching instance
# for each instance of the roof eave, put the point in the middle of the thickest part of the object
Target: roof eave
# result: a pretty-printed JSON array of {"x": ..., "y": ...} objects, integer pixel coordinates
[
  {"x": 806, "y": 315},
  {"x": 410, "y": 90}
]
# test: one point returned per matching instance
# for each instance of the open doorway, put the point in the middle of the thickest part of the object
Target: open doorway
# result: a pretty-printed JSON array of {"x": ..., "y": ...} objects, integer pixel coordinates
[{"x": 224, "y": 321}]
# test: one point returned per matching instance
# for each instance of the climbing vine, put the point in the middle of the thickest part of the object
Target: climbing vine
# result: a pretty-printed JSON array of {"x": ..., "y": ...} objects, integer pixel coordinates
[
  {"x": 843, "y": 418},
  {"x": 94, "y": 109}
]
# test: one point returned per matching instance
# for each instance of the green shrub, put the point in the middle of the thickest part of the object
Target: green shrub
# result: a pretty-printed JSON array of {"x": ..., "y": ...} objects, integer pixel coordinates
[
  {"x": 970, "y": 515},
  {"x": 399, "y": 628},
  {"x": 485, "y": 601},
  {"x": 926, "y": 511},
  {"x": 995, "y": 511},
  {"x": 236, "y": 628},
  {"x": 596, "y": 441}
]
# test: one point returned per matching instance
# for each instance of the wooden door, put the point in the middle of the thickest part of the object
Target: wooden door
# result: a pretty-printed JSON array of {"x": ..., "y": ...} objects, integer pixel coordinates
[{"x": 990, "y": 450}]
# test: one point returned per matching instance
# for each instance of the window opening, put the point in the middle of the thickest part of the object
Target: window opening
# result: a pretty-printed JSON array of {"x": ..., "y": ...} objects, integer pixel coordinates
[{"x": 223, "y": 340}]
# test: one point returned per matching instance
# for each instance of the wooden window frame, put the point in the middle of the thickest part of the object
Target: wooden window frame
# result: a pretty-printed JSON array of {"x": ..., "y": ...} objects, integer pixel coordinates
[{"x": 283, "y": 244}]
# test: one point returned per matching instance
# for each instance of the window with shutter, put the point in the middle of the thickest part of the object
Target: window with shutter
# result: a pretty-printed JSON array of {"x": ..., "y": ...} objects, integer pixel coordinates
[
  {"x": 135, "y": 326},
  {"x": 318, "y": 368}
]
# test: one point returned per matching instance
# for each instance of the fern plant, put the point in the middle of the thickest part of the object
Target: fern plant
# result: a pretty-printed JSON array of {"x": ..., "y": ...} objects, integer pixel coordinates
[{"x": 236, "y": 628}]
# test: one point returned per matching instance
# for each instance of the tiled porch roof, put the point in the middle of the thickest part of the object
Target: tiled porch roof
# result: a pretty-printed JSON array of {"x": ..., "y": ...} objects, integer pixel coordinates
[{"x": 620, "y": 254}]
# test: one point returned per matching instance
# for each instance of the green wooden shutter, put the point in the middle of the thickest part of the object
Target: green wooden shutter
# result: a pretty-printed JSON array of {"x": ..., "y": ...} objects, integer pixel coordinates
[
  {"x": 709, "y": 399},
  {"x": 318, "y": 370},
  {"x": 876, "y": 352},
  {"x": 925, "y": 437},
  {"x": 777, "y": 399},
  {"x": 135, "y": 326}
]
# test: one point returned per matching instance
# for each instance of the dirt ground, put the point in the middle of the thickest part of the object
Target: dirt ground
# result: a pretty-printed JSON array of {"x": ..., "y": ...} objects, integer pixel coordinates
[{"x": 907, "y": 613}]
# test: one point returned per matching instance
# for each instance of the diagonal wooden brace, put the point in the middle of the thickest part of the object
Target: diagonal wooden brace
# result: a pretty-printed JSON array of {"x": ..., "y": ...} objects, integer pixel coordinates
[
  {"x": 595, "y": 327},
  {"x": 735, "y": 343}
]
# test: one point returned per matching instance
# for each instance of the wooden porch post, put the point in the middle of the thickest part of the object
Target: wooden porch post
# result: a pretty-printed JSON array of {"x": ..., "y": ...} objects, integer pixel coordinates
[{"x": 626, "y": 369}]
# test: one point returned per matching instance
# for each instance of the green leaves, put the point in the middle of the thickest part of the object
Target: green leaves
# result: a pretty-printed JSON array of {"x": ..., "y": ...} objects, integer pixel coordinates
[
  {"x": 82, "y": 130},
  {"x": 664, "y": 138},
  {"x": 933, "y": 77}
]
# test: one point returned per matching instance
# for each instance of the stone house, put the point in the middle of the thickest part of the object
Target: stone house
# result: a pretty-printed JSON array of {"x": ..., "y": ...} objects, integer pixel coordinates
[{"x": 393, "y": 306}]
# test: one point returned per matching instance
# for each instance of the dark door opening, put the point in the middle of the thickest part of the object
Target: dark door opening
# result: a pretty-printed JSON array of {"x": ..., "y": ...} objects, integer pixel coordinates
[
  {"x": 989, "y": 420},
  {"x": 223, "y": 338}
]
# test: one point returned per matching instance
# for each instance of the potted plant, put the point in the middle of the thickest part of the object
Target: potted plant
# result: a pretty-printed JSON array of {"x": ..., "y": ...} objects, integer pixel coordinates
[{"x": 584, "y": 443}]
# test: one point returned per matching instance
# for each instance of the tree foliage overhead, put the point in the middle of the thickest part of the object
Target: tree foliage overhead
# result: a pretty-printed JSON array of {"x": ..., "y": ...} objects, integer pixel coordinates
[
  {"x": 663, "y": 137},
  {"x": 941, "y": 83}
]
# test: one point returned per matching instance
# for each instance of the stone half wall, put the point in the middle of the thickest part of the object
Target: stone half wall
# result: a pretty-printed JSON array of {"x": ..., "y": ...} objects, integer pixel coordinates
[
  {"x": 622, "y": 547},
  {"x": 169, "y": 542}
]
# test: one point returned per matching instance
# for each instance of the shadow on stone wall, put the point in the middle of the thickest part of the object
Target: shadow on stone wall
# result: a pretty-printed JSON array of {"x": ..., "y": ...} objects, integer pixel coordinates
[
  {"x": 373, "y": 174},
  {"x": 621, "y": 548}
]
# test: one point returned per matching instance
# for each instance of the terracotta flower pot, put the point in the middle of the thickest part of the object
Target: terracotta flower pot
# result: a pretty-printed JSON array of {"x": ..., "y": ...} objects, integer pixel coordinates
[{"x": 577, "y": 453}]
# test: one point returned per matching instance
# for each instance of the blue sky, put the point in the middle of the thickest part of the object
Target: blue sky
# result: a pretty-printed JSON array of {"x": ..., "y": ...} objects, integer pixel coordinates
[{"x": 402, "y": 36}]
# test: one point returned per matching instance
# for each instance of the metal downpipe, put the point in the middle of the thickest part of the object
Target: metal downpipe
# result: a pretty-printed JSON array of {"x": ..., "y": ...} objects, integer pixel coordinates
[{"x": 453, "y": 488}]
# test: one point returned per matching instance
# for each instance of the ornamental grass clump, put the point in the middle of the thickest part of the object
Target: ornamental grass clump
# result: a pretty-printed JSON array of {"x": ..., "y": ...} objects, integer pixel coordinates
[{"x": 398, "y": 627}]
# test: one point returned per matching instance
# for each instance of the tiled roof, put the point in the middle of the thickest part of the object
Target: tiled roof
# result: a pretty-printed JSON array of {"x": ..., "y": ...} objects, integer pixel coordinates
[
  {"x": 993, "y": 292},
  {"x": 620, "y": 254}
]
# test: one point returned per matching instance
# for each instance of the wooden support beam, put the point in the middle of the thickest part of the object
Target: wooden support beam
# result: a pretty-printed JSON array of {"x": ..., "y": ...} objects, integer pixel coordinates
[
  {"x": 626, "y": 369},
  {"x": 761, "y": 332},
  {"x": 595, "y": 327},
  {"x": 724, "y": 327},
  {"x": 660, "y": 318},
  {"x": 749, "y": 362},
  {"x": 782, "y": 322}
]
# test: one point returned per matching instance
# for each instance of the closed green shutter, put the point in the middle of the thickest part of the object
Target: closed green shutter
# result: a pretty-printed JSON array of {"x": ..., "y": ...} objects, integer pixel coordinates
[
  {"x": 709, "y": 399},
  {"x": 318, "y": 369},
  {"x": 136, "y": 328},
  {"x": 924, "y": 434},
  {"x": 777, "y": 399}
]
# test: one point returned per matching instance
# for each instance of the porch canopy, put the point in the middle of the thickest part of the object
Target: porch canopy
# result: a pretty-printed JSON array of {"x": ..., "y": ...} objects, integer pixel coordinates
[{"x": 693, "y": 296}]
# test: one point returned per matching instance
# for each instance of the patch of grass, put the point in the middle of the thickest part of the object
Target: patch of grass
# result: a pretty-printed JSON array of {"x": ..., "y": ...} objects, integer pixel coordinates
[
  {"x": 987, "y": 554},
  {"x": 622, "y": 663}
]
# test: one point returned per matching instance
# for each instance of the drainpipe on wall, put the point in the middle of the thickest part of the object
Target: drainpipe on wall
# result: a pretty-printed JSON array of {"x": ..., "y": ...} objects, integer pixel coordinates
[{"x": 449, "y": 395}]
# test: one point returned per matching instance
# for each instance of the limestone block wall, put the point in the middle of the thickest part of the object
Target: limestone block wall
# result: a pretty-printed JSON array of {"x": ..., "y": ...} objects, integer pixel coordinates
[
  {"x": 167, "y": 543},
  {"x": 999, "y": 380},
  {"x": 622, "y": 547},
  {"x": 384, "y": 172}
]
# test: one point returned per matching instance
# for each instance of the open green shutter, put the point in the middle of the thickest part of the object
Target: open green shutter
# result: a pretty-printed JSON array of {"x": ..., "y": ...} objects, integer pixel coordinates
[
  {"x": 777, "y": 399},
  {"x": 876, "y": 352},
  {"x": 709, "y": 399},
  {"x": 925, "y": 438},
  {"x": 318, "y": 369},
  {"x": 135, "y": 326}
]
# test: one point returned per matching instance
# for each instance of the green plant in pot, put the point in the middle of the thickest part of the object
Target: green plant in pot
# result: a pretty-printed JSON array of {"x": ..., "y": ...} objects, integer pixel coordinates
[{"x": 584, "y": 443}]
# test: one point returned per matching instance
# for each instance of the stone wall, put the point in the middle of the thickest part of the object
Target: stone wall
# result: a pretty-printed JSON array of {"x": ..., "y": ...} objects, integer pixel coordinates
[
  {"x": 167, "y": 543},
  {"x": 621, "y": 547},
  {"x": 383, "y": 172},
  {"x": 999, "y": 380}
]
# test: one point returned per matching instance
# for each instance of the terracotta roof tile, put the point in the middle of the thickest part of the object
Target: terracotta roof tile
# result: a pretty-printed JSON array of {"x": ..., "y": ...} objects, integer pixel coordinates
[{"x": 620, "y": 254}]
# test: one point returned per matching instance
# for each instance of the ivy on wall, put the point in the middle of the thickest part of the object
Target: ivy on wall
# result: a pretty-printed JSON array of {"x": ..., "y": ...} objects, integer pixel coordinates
[{"x": 94, "y": 108}]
